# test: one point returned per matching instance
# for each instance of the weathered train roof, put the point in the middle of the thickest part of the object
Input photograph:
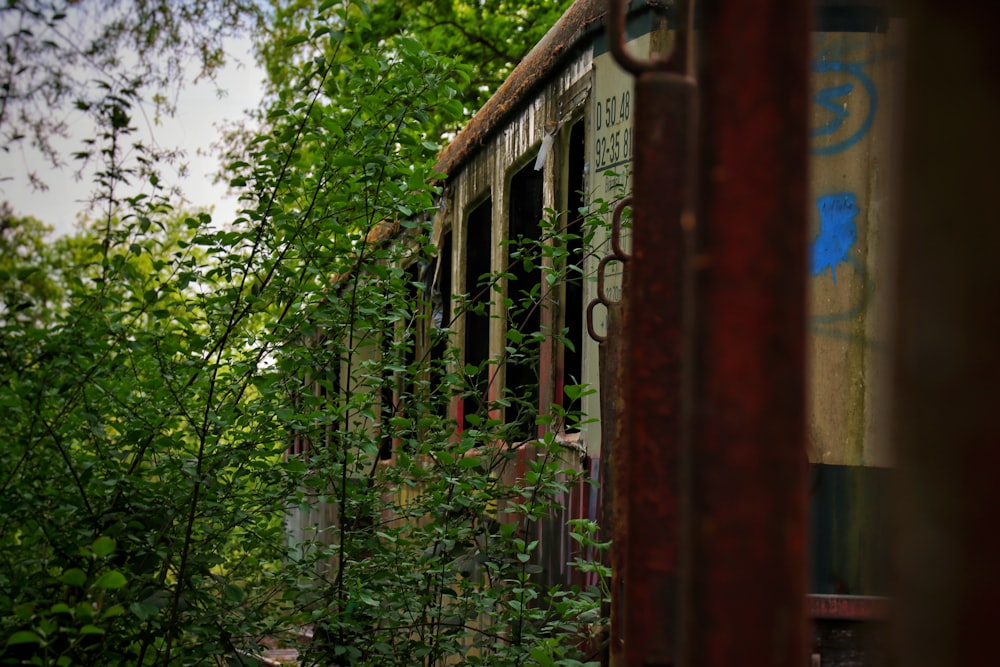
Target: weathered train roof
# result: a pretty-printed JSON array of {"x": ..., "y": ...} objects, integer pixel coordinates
[{"x": 580, "y": 20}]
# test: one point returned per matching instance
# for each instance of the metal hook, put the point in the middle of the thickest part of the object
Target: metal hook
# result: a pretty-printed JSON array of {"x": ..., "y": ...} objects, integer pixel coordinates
[
  {"x": 616, "y": 228},
  {"x": 617, "y": 254},
  {"x": 676, "y": 60},
  {"x": 590, "y": 322}
]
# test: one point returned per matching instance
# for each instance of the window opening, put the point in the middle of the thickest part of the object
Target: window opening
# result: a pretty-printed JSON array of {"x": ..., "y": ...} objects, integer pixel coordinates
[
  {"x": 477, "y": 313},
  {"x": 387, "y": 398},
  {"x": 573, "y": 303},
  {"x": 409, "y": 381},
  {"x": 439, "y": 279},
  {"x": 523, "y": 293}
]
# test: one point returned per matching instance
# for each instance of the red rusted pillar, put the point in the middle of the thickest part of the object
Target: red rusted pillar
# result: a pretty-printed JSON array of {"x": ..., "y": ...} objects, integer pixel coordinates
[
  {"x": 663, "y": 180},
  {"x": 746, "y": 570},
  {"x": 945, "y": 354}
]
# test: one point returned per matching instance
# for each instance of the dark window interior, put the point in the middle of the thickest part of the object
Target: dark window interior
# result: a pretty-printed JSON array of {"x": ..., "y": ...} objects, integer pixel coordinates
[
  {"x": 336, "y": 398},
  {"x": 849, "y": 522},
  {"x": 441, "y": 320},
  {"x": 573, "y": 358},
  {"x": 410, "y": 397},
  {"x": 477, "y": 317},
  {"x": 387, "y": 397},
  {"x": 329, "y": 392},
  {"x": 523, "y": 264},
  {"x": 444, "y": 283}
]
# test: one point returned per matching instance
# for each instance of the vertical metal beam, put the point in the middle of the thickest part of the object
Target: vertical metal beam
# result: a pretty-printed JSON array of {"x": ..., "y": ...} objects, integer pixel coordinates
[
  {"x": 663, "y": 180},
  {"x": 945, "y": 356},
  {"x": 613, "y": 524},
  {"x": 745, "y": 604},
  {"x": 614, "y": 450}
]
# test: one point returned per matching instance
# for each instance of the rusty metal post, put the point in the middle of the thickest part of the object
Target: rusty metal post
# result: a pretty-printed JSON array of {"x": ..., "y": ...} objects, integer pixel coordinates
[
  {"x": 613, "y": 450},
  {"x": 944, "y": 352},
  {"x": 747, "y": 520},
  {"x": 664, "y": 114}
]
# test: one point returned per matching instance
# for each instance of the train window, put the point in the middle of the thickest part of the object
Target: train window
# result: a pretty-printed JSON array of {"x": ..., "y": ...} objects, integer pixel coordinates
[
  {"x": 523, "y": 293},
  {"x": 300, "y": 443},
  {"x": 323, "y": 392},
  {"x": 573, "y": 303},
  {"x": 441, "y": 320},
  {"x": 410, "y": 395},
  {"x": 387, "y": 398},
  {"x": 335, "y": 397},
  {"x": 478, "y": 246},
  {"x": 400, "y": 395}
]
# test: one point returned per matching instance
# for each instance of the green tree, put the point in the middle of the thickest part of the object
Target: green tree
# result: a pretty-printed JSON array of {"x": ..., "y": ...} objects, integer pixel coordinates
[
  {"x": 116, "y": 484},
  {"x": 61, "y": 56},
  {"x": 144, "y": 481},
  {"x": 487, "y": 37},
  {"x": 29, "y": 288}
]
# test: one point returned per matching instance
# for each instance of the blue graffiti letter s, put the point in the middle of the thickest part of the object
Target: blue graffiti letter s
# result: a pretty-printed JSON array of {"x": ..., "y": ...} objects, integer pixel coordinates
[
  {"x": 848, "y": 106},
  {"x": 827, "y": 98}
]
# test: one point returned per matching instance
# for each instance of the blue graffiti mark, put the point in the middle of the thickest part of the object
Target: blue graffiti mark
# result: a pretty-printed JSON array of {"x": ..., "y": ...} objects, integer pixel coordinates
[
  {"x": 859, "y": 305},
  {"x": 826, "y": 97},
  {"x": 837, "y": 325},
  {"x": 837, "y": 232}
]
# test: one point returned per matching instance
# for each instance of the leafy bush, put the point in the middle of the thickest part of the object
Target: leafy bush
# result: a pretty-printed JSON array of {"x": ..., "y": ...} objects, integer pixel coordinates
[{"x": 145, "y": 489}]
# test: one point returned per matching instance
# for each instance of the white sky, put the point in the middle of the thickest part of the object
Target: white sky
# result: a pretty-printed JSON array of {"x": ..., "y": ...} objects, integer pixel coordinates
[{"x": 194, "y": 129}]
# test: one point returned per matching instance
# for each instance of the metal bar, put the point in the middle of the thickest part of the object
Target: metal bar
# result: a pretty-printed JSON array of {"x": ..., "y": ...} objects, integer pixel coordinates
[
  {"x": 652, "y": 345},
  {"x": 944, "y": 356},
  {"x": 652, "y": 349},
  {"x": 613, "y": 524},
  {"x": 609, "y": 358},
  {"x": 745, "y": 604}
]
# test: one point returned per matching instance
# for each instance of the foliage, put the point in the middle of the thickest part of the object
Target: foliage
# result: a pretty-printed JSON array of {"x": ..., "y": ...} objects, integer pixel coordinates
[
  {"x": 488, "y": 36},
  {"x": 28, "y": 287},
  {"x": 151, "y": 396},
  {"x": 61, "y": 56}
]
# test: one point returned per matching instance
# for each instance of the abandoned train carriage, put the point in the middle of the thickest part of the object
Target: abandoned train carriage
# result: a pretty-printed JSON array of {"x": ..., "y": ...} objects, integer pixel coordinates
[
  {"x": 556, "y": 143},
  {"x": 558, "y": 136}
]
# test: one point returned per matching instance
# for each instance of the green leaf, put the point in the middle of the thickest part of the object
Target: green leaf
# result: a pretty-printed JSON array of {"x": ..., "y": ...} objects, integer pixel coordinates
[
  {"x": 74, "y": 577},
  {"x": 234, "y": 593},
  {"x": 343, "y": 160},
  {"x": 114, "y": 610},
  {"x": 111, "y": 579},
  {"x": 469, "y": 462},
  {"x": 143, "y": 611},
  {"x": 91, "y": 630},
  {"x": 103, "y": 547},
  {"x": 25, "y": 273},
  {"x": 24, "y": 637}
]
